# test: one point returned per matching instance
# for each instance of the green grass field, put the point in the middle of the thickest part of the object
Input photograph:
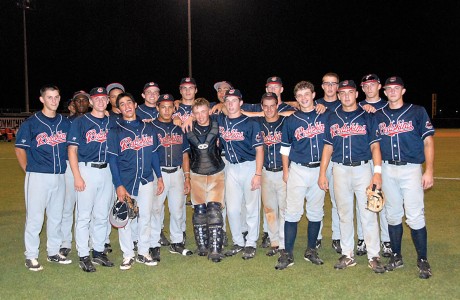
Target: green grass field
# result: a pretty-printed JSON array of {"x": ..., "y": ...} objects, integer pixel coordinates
[{"x": 178, "y": 277}]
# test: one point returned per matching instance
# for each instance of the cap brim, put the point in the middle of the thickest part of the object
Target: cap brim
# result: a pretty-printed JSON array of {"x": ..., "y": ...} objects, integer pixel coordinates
[
  {"x": 99, "y": 94},
  {"x": 364, "y": 82}
]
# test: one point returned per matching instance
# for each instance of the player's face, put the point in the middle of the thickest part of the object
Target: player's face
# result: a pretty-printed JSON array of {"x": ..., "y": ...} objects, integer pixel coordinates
[
  {"x": 221, "y": 91},
  {"x": 165, "y": 111},
  {"x": 330, "y": 85},
  {"x": 371, "y": 89},
  {"x": 201, "y": 114},
  {"x": 113, "y": 96},
  {"x": 50, "y": 100},
  {"x": 270, "y": 108},
  {"x": 275, "y": 88},
  {"x": 348, "y": 98},
  {"x": 99, "y": 103},
  {"x": 233, "y": 104},
  {"x": 394, "y": 93},
  {"x": 188, "y": 91},
  {"x": 305, "y": 99},
  {"x": 71, "y": 107},
  {"x": 81, "y": 104},
  {"x": 128, "y": 108},
  {"x": 151, "y": 96}
]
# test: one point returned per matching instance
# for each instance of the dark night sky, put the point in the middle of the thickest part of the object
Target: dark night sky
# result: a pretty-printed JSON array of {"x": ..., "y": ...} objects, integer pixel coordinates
[{"x": 86, "y": 43}]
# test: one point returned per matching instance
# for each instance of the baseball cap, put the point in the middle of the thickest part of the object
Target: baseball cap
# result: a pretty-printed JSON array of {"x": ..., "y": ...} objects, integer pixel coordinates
[
  {"x": 346, "y": 84},
  {"x": 98, "y": 91},
  {"x": 274, "y": 80},
  {"x": 269, "y": 96},
  {"x": 187, "y": 80},
  {"x": 164, "y": 98},
  {"x": 78, "y": 93},
  {"x": 370, "y": 78},
  {"x": 115, "y": 85},
  {"x": 233, "y": 92},
  {"x": 394, "y": 80},
  {"x": 150, "y": 84},
  {"x": 218, "y": 84},
  {"x": 118, "y": 215}
]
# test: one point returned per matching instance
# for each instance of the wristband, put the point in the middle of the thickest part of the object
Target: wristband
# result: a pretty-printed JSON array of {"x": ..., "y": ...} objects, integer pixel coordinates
[{"x": 378, "y": 169}]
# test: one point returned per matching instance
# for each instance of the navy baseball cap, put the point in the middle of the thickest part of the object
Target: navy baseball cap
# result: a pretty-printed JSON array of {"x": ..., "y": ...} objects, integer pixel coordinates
[
  {"x": 98, "y": 91},
  {"x": 233, "y": 92},
  {"x": 218, "y": 84},
  {"x": 78, "y": 93},
  {"x": 269, "y": 96},
  {"x": 164, "y": 98},
  {"x": 394, "y": 80},
  {"x": 370, "y": 78},
  {"x": 346, "y": 84},
  {"x": 150, "y": 84},
  {"x": 274, "y": 80},
  {"x": 115, "y": 85},
  {"x": 188, "y": 80}
]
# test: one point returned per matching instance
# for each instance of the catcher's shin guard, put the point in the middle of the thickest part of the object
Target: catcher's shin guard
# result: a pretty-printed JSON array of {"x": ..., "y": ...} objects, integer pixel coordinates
[
  {"x": 200, "y": 228},
  {"x": 215, "y": 223}
]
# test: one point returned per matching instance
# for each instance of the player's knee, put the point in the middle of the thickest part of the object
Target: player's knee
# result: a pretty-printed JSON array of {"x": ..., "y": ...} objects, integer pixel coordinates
[
  {"x": 293, "y": 218},
  {"x": 417, "y": 222}
]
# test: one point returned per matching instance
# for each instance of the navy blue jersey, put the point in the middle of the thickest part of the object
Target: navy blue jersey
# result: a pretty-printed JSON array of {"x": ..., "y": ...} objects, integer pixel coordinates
[
  {"x": 332, "y": 106},
  {"x": 285, "y": 107},
  {"x": 402, "y": 132},
  {"x": 44, "y": 140},
  {"x": 377, "y": 105},
  {"x": 172, "y": 143},
  {"x": 239, "y": 137},
  {"x": 133, "y": 143},
  {"x": 183, "y": 112},
  {"x": 146, "y": 112},
  {"x": 271, "y": 134},
  {"x": 249, "y": 107},
  {"x": 351, "y": 134},
  {"x": 72, "y": 117},
  {"x": 89, "y": 134},
  {"x": 304, "y": 133},
  {"x": 114, "y": 118}
]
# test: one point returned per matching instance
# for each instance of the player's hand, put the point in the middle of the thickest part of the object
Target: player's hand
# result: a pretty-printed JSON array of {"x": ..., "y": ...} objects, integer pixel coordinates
[
  {"x": 187, "y": 185},
  {"x": 323, "y": 183},
  {"x": 187, "y": 125},
  {"x": 122, "y": 193},
  {"x": 369, "y": 108},
  {"x": 79, "y": 184},
  {"x": 147, "y": 120},
  {"x": 177, "y": 103},
  {"x": 255, "y": 182},
  {"x": 320, "y": 109},
  {"x": 177, "y": 121},
  {"x": 216, "y": 109},
  {"x": 377, "y": 180},
  {"x": 427, "y": 180},
  {"x": 285, "y": 176},
  {"x": 160, "y": 186}
]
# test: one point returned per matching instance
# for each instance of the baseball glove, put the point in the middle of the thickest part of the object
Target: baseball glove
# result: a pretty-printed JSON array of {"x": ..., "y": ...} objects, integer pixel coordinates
[
  {"x": 375, "y": 199},
  {"x": 133, "y": 209}
]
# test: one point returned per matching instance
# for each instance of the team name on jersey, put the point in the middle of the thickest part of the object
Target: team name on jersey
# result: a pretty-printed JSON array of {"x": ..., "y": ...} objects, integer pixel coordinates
[
  {"x": 348, "y": 130},
  {"x": 169, "y": 140},
  {"x": 231, "y": 135},
  {"x": 138, "y": 143},
  {"x": 272, "y": 138},
  {"x": 53, "y": 140},
  {"x": 310, "y": 132},
  {"x": 93, "y": 136},
  {"x": 395, "y": 128}
]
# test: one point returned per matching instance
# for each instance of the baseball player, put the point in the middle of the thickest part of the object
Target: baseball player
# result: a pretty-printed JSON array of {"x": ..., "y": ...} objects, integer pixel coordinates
[
  {"x": 241, "y": 139},
  {"x": 301, "y": 148},
  {"x": 351, "y": 141},
  {"x": 71, "y": 108},
  {"x": 81, "y": 100},
  {"x": 87, "y": 145},
  {"x": 207, "y": 182},
  {"x": 41, "y": 152},
  {"x": 132, "y": 161},
  {"x": 407, "y": 142},
  {"x": 174, "y": 163}
]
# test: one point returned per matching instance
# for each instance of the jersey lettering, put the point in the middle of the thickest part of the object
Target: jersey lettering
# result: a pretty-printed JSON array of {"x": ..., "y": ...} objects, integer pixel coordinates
[
  {"x": 310, "y": 132},
  {"x": 348, "y": 130},
  {"x": 93, "y": 136},
  {"x": 53, "y": 140},
  {"x": 272, "y": 138},
  {"x": 394, "y": 129},
  {"x": 169, "y": 140},
  {"x": 136, "y": 144},
  {"x": 232, "y": 135}
]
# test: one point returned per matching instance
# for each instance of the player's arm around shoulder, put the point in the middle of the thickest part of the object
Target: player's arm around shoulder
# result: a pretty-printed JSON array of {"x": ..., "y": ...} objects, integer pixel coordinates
[{"x": 428, "y": 148}]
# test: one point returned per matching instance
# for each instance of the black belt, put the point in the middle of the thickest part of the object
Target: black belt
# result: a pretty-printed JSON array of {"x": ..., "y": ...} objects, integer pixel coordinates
[
  {"x": 274, "y": 169},
  {"x": 96, "y": 165},
  {"x": 310, "y": 165},
  {"x": 396, "y": 162},
  {"x": 355, "y": 163},
  {"x": 170, "y": 171}
]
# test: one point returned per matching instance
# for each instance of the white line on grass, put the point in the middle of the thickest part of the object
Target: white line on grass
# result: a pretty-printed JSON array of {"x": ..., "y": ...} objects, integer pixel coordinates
[{"x": 446, "y": 178}]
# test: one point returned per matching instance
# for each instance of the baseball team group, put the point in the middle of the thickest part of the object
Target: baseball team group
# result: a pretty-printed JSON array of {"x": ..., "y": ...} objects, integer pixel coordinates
[{"x": 237, "y": 162}]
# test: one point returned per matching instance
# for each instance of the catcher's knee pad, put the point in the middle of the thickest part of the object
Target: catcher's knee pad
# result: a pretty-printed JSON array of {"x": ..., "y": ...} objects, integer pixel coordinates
[
  {"x": 214, "y": 213},
  {"x": 199, "y": 214}
]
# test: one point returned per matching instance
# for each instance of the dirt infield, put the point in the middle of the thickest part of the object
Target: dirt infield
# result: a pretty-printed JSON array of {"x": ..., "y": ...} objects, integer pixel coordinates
[{"x": 447, "y": 133}]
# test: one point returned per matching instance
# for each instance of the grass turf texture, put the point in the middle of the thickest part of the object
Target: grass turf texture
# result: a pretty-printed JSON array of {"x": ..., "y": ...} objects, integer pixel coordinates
[{"x": 178, "y": 277}]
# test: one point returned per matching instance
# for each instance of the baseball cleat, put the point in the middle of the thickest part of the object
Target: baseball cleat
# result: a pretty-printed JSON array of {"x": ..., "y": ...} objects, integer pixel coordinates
[
  {"x": 179, "y": 248},
  {"x": 386, "y": 249},
  {"x": 127, "y": 263},
  {"x": 376, "y": 265},
  {"x": 336, "y": 246},
  {"x": 107, "y": 248},
  {"x": 285, "y": 260},
  {"x": 395, "y": 262},
  {"x": 86, "y": 264},
  {"x": 59, "y": 258},
  {"x": 65, "y": 251},
  {"x": 311, "y": 255},
  {"x": 216, "y": 257},
  {"x": 163, "y": 239},
  {"x": 33, "y": 265},
  {"x": 265, "y": 240},
  {"x": 272, "y": 251},
  {"x": 155, "y": 253},
  {"x": 424, "y": 269},
  {"x": 102, "y": 259},
  {"x": 203, "y": 251},
  {"x": 248, "y": 253},
  {"x": 361, "y": 248},
  {"x": 146, "y": 260},
  {"x": 235, "y": 249},
  {"x": 345, "y": 262},
  {"x": 318, "y": 244}
]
